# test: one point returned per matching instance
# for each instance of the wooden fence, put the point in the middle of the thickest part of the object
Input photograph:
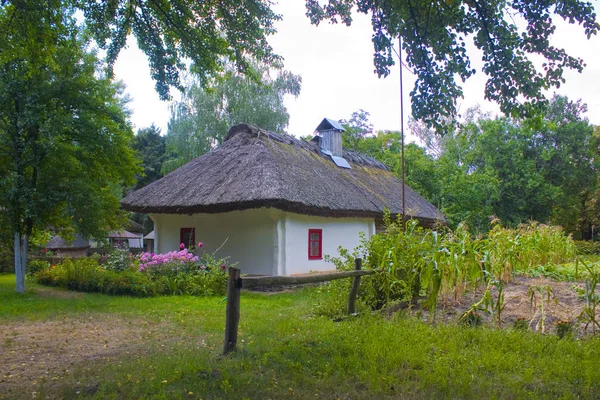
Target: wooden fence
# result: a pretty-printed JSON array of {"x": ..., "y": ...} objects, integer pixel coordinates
[{"x": 235, "y": 283}]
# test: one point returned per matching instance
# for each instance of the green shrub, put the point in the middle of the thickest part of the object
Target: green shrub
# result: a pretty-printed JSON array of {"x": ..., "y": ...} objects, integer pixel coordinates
[
  {"x": 565, "y": 329},
  {"x": 35, "y": 266},
  {"x": 587, "y": 247},
  {"x": 521, "y": 324},
  {"x": 421, "y": 262},
  {"x": 87, "y": 275},
  {"x": 118, "y": 259},
  {"x": 334, "y": 299},
  {"x": 6, "y": 259}
]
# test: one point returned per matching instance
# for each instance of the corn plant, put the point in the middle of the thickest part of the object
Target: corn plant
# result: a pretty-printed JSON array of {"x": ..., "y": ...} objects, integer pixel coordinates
[
  {"x": 443, "y": 265},
  {"x": 488, "y": 303},
  {"x": 538, "y": 296},
  {"x": 592, "y": 299}
]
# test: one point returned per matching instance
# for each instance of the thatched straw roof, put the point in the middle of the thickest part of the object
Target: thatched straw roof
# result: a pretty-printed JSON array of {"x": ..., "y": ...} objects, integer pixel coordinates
[
  {"x": 133, "y": 226},
  {"x": 58, "y": 243},
  {"x": 254, "y": 168},
  {"x": 124, "y": 235}
]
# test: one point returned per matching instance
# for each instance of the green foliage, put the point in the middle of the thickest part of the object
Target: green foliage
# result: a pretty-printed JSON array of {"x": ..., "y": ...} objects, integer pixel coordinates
[
  {"x": 117, "y": 260},
  {"x": 119, "y": 275},
  {"x": 203, "y": 117},
  {"x": 6, "y": 258},
  {"x": 565, "y": 329},
  {"x": 151, "y": 148},
  {"x": 587, "y": 247},
  {"x": 521, "y": 324},
  {"x": 592, "y": 300},
  {"x": 420, "y": 262},
  {"x": 435, "y": 39},
  {"x": 64, "y": 133},
  {"x": 539, "y": 296},
  {"x": 35, "y": 266},
  {"x": 357, "y": 127},
  {"x": 170, "y": 33},
  {"x": 86, "y": 275},
  {"x": 543, "y": 168}
]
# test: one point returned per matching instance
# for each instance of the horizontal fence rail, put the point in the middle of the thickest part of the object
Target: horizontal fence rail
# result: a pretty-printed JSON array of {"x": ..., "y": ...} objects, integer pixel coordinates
[
  {"x": 251, "y": 282},
  {"x": 235, "y": 283}
]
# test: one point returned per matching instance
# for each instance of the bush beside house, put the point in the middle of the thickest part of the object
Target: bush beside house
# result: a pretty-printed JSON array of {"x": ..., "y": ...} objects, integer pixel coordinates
[{"x": 143, "y": 275}]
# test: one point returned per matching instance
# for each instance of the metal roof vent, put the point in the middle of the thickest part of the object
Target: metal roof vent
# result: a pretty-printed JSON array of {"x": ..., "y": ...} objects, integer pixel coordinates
[
  {"x": 330, "y": 140},
  {"x": 339, "y": 161}
]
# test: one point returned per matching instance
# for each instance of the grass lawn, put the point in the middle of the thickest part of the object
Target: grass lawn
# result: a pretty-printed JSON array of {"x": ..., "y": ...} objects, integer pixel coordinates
[{"x": 58, "y": 344}]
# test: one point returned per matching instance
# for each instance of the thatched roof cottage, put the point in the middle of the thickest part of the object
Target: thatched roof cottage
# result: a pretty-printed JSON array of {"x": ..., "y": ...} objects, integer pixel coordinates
[
  {"x": 273, "y": 203},
  {"x": 76, "y": 248}
]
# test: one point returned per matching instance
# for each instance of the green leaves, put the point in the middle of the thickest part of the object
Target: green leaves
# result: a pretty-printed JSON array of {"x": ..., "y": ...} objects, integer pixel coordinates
[
  {"x": 171, "y": 32},
  {"x": 64, "y": 133},
  {"x": 436, "y": 35},
  {"x": 203, "y": 117}
]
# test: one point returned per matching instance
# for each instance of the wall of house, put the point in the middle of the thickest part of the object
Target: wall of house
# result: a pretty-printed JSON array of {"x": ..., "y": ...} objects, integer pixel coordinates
[
  {"x": 71, "y": 253},
  {"x": 136, "y": 243},
  {"x": 336, "y": 232},
  {"x": 247, "y": 237},
  {"x": 262, "y": 241}
]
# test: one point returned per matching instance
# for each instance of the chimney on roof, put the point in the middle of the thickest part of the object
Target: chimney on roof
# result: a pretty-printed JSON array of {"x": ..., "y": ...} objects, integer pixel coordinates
[{"x": 330, "y": 136}]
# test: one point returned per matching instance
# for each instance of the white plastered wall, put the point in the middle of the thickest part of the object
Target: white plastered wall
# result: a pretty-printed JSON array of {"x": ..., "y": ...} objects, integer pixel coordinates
[
  {"x": 336, "y": 232},
  {"x": 247, "y": 237},
  {"x": 262, "y": 241}
]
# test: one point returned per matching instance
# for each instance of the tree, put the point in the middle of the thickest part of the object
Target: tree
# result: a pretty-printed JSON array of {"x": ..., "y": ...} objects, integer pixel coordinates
[
  {"x": 568, "y": 155},
  {"x": 64, "y": 134},
  {"x": 171, "y": 32},
  {"x": 435, "y": 36},
  {"x": 151, "y": 149},
  {"x": 357, "y": 127},
  {"x": 543, "y": 168},
  {"x": 202, "y": 118}
]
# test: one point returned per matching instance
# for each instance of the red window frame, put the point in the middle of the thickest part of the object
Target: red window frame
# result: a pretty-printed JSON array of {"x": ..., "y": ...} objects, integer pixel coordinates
[
  {"x": 318, "y": 254},
  {"x": 191, "y": 233}
]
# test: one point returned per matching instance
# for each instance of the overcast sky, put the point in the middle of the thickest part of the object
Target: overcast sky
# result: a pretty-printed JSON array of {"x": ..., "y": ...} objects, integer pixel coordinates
[{"x": 336, "y": 66}]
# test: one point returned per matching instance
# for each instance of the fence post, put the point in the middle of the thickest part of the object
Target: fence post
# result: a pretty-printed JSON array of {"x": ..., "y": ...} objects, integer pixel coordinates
[
  {"x": 355, "y": 287},
  {"x": 232, "y": 313}
]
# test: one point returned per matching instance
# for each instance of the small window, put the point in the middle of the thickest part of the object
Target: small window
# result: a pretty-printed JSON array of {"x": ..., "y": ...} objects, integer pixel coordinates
[
  {"x": 315, "y": 244},
  {"x": 187, "y": 236}
]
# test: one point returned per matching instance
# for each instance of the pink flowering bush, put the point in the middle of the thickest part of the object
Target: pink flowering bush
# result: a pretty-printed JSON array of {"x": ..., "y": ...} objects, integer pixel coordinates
[
  {"x": 145, "y": 274},
  {"x": 170, "y": 263},
  {"x": 182, "y": 272}
]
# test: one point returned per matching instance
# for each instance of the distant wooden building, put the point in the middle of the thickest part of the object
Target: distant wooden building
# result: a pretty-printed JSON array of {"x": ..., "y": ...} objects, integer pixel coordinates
[
  {"x": 126, "y": 239},
  {"x": 77, "y": 248},
  {"x": 149, "y": 242},
  {"x": 275, "y": 204}
]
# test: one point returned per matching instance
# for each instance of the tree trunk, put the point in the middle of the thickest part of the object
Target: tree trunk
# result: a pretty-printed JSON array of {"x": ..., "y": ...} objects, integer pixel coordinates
[
  {"x": 20, "y": 260},
  {"x": 18, "y": 268}
]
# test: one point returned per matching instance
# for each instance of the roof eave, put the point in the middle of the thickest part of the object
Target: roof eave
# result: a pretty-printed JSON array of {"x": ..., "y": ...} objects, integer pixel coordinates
[{"x": 288, "y": 206}]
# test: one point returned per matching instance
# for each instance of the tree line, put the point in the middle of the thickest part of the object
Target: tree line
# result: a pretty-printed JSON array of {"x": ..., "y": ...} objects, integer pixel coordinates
[{"x": 544, "y": 168}]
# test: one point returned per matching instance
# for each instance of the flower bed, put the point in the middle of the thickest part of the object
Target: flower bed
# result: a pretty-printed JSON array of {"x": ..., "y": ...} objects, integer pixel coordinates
[{"x": 145, "y": 274}]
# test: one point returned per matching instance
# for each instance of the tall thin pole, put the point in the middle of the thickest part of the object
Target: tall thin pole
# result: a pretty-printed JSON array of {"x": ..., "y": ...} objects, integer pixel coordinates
[{"x": 402, "y": 131}]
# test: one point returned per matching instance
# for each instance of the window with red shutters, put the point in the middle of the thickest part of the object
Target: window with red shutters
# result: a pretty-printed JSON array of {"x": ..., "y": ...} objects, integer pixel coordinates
[
  {"x": 187, "y": 236},
  {"x": 315, "y": 244}
]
